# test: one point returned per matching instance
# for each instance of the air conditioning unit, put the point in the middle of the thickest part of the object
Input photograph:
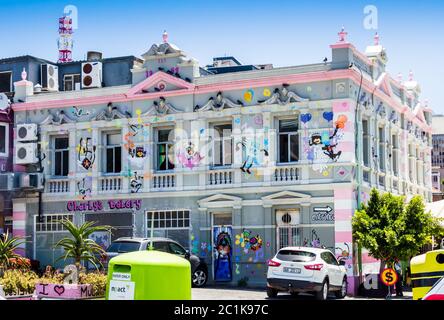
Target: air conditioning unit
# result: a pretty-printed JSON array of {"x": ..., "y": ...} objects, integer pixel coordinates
[
  {"x": 91, "y": 74},
  {"x": 6, "y": 181},
  {"x": 31, "y": 181},
  {"x": 27, "y": 132},
  {"x": 26, "y": 153},
  {"x": 50, "y": 77},
  {"x": 287, "y": 217}
]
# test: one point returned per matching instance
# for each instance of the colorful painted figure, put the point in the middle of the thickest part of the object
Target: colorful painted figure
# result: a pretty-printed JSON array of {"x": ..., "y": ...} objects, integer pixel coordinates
[
  {"x": 223, "y": 251},
  {"x": 190, "y": 158},
  {"x": 88, "y": 153},
  {"x": 252, "y": 151}
]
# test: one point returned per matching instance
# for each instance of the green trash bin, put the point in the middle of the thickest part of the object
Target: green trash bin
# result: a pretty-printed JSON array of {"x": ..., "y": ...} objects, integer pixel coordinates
[{"x": 148, "y": 275}]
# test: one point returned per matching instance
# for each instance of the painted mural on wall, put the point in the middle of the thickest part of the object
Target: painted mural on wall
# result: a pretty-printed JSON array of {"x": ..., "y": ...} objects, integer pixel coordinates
[
  {"x": 136, "y": 183},
  {"x": 343, "y": 253},
  {"x": 248, "y": 242},
  {"x": 222, "y": 253},
  {"x": 102, "y": 238},
  {"x": 323, "y": 147},
  {"x": 84, "y": 187},
  {"x": 86, "y": 153},
  {"x": 190, "y": 158}
]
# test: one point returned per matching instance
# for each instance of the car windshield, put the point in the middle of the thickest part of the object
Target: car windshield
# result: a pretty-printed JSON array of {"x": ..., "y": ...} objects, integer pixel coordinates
[
  {"x": 123, "y": 246},
  {"x": 295, "y": 256}
]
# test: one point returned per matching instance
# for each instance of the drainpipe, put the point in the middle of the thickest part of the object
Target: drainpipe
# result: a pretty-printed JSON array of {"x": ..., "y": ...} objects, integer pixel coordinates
[{"x": 358, "y": 162}]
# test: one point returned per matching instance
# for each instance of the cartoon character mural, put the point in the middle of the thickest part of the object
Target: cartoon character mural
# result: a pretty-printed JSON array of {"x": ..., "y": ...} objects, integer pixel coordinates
[
  {"x": 86, "y": 153},
  {"x": 222, "y": 253},
  {"x": 252, "y": 152},
  {"x": 84, "y": 187},
  {"x": 249, "y": 242},
  {"x": 102, "y": 238},
  {"x": 344, "y": 255},
  {"x": 190, "y": 158},
  {"x": 136, "y": 183}
]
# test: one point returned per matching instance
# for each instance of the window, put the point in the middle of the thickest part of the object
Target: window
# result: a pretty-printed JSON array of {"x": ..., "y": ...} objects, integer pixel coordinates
[
  {"x": 329, "y": 258},
  {"x": 296, "y": 256},
  {"x": 71, "y": 82},
  {"x": 381, "y": 149},
  {"x": 51, "y": 222},
  {"x": 176, "y": 249},
  {"x": 4, "y": 137},
  {"x": 365, "y": 144},
  {"x": 160, "y": 246},
  {"x": 61, "y": 156},
  {"x": 165, "y": 150},
  {"x": 288, "y": 141},
  {"x": 6, "y": 81},
  {"x": 222, "y": 145},
  {"x": 123, "y": 246},
  {"x": 113, "y": 150},
  {"x": 222, "y": 219},
  {"x": 173, "y": 224}
]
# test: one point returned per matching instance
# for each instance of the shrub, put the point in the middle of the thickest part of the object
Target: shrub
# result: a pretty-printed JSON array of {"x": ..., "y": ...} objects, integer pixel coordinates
[
  {"x": 97, "y": 280},
  {"x": 18, "y": 282}
]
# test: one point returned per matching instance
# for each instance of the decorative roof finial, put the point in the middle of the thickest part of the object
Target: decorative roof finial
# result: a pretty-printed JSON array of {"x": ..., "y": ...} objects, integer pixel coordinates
[
  {"x": 411, "y": 75},
  {"x": 342, "y": 35},
  {"x": 165, "y": 36},
  {"x": 399, "y": 77},
  {"x": 24, "y": 74},
  {"x": 376, "y": 38}
]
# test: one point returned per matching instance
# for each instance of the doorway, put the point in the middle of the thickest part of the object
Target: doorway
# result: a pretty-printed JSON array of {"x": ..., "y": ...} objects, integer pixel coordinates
[{"x": 222, "y": 231}]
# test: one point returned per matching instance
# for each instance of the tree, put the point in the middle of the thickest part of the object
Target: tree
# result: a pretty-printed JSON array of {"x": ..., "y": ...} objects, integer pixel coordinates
[
  {"x": 8, "y": 246},
  {"x": 79, "y": 246},
  {"x": 391, "y": 230}
]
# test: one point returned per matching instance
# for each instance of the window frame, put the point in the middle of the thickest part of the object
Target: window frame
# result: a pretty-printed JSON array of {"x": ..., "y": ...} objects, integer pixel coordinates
[
  {"x": 73, "y": 83},
  {"x": 113, "y": 147},
  {"x": 6, "y": 126},
  {"x": 186, "y": 216},
  {"x": 54, "y": 155},
  {"x": 222, "y": 141},
  {"x": 167, "y": 149},
  {"x": 10, "y": 81},
  {"x": 288, "y": 134}
]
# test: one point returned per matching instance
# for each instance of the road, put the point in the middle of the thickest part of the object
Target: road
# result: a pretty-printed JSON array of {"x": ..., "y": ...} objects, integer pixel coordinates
[{"x": 218, "y": 293}]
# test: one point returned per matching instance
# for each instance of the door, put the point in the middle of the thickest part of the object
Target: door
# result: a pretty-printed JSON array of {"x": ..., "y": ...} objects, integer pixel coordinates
[
  {"x": 222, "y": 248},
  {"x": 334, "y": 272}
]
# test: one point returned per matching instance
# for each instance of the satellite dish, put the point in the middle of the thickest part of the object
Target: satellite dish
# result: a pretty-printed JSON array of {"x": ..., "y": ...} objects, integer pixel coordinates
[{"x": 4, "y": 101}]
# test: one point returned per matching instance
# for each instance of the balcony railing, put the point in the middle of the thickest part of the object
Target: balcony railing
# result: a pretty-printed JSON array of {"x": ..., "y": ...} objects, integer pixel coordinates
[
  {"x": 108, "y": 184},
  {"x": 164, "y": 181},
  {"x": 220, "y": 177},
  {"x": 286, "y": 174},
  {"x": 57, "y": 186}
]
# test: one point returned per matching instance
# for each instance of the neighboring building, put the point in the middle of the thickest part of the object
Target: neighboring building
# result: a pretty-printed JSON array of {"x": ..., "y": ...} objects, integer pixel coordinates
[
  {"x": 233, "y": 165},
  {"x": 438, "y": 157}
]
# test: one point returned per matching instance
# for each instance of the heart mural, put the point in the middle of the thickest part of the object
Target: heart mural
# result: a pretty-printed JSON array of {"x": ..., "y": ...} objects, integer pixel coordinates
[
  {"x": 59, "y": 290},
  {"x": 328, "y": 116},
  {"x": 305, "y": 117}
]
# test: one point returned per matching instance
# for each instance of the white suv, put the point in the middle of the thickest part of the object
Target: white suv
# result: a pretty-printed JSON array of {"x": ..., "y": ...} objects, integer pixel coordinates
[{"x": 300, "y": 269}]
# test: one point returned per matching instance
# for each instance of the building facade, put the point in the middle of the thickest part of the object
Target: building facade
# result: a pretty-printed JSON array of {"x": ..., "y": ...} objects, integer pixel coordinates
[
  {"x": 233, "y": 165},
  {"x": 438, "y": 157}
]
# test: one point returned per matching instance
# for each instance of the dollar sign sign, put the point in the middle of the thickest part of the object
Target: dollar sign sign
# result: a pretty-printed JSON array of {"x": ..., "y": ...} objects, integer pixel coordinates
[{"x": 389, "y": 277}]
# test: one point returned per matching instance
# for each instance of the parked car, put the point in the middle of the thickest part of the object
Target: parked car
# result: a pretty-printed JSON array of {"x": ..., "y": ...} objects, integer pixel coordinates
[
  {"x": 199, "y": 269},
  {"x": 436, "y": 292},
  {"x": 311, "y": 270}
]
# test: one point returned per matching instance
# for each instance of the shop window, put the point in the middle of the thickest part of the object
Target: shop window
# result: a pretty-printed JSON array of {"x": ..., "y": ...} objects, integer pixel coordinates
[
  {"x": 165, "y": 149},
  {"x": 288, "y": 141},
  {"x": 113, "y": 153},
  {"x": 6, "y": 81},
  {"x": 51, "y": 223},
  {"x": 222, "y": 219},
  {"x": 288, "y": 231},
  {"x": 172, "y": 224},
  {"x": 4, "y": 136},
  {"x": 222, "y": 145},
  {"x": 61, "y": 156},
  {"x": 71, "y": 82}
]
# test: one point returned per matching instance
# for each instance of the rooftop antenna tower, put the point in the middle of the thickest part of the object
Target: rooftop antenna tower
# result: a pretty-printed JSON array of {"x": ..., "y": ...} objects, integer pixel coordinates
[{"x": 65, "y": 41}]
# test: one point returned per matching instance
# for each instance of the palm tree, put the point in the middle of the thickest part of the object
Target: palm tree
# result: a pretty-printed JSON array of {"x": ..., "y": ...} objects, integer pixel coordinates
[
  {"x": 8, "y": 246},
  {"x": 79, "y": 246}
]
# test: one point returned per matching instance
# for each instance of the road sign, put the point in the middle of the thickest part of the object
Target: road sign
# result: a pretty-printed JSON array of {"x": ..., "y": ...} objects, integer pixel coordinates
[
  {"x": 389, "y": 277},
  {"x": 322, "y": 209}
]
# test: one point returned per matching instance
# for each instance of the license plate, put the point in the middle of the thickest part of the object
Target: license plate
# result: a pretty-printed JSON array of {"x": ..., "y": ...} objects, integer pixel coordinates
[{"x": 292, "y": 270}]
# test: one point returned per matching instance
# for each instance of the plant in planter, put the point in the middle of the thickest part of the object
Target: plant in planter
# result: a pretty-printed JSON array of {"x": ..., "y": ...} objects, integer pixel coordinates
[
  {"x": 17, "y": 282},
  {"x": 8, "y": 246},
  {"x": 79, "y": 246}
]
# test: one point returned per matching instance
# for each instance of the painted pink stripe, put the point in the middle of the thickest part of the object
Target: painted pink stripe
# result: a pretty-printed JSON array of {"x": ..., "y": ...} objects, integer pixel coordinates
[
  {"x": 367, "y": 259},
  {"x": 343, "y": 214},
  {"x": 18, "y": 233},
  {"x": 346, "y": 146},
  {"x": 343, "y": 193},
  {"x": 342, "y": 236},
  {"x": 19, "y": 215},
  {"x": 341, "y": 107},
  {"x": 19, "y": 168}
]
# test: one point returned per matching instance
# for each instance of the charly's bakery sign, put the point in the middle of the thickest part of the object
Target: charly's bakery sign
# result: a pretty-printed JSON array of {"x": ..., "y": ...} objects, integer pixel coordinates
[{"x": 98, "y": 205}]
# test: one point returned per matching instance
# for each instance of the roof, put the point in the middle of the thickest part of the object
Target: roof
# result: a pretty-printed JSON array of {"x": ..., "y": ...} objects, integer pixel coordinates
[
  {"x": 227, "y": 58},
  {"x": 437, "y": 209},
  {"x": 104, "y": 60},
  {"x": 24, "y": 58}
]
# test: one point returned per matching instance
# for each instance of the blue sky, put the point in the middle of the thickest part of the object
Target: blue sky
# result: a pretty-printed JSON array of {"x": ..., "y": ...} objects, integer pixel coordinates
[{"x": 279, "y": 32}]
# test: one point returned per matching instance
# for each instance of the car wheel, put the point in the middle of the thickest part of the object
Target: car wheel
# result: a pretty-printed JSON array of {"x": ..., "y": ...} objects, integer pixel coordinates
[
  {"x": 271, "y": 292},
  {"x": 343, "y": 292},
  {"x": 323, "y": 293},
  {"x": 200, "y": 277}
]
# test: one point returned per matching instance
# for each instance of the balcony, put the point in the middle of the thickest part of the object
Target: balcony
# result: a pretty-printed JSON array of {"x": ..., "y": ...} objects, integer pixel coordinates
[
  {"x": 57, "y": 186},
  {"x": 162, "y": 181},
  {"x": 220, "y": 177},
  {"x": 110, "y": 184},
  {"x": 286, "y": 174}
]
